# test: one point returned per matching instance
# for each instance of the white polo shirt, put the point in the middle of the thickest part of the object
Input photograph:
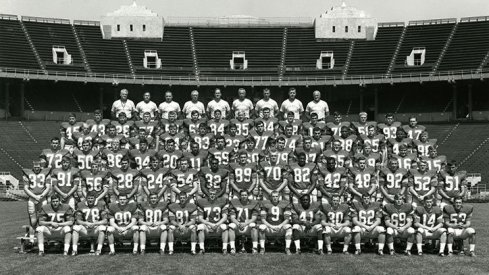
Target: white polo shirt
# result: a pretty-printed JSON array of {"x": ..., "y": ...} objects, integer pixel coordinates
[
  {"x": 143, "y": 107},
  {"x": 127, "y": 107},
  {"x": 320, "y": 108},
  {"x": 190, "y": 106},
  {"x": 166, "y": 107},
  {"x": 222, "y": 105},
  {"x": 292, "y": 106},
  {"x": 244, "y": 106},
  {"x": 270, "y": 103}
]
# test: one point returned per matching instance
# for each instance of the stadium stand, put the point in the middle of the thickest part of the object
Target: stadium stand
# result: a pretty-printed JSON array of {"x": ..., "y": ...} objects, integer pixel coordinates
[
  {"x": 46, "y": 33},
  {"x": 15, "y": 51}
]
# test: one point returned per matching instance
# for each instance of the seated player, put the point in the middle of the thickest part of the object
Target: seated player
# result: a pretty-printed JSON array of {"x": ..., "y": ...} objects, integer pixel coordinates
[
  {"x": 95, "y": 180},
  {"x": 398, "y": 221},
  {"x": 185, "y": 179},
  {"x": 336, "y": 221},
  {"x": 367, "y": 223},
  {"x": 260, "y": 135},
  {"x": 422, "y": 183},
  {"x": 332, "y": 181},
  {"x": 275, "y": 221},
  {"x": 124, "y": 180},
  {"x": 183, "y": 223},
  {"x": 273, "y": 177},
  {"x": 155, "y": 179},
  {"x": 123, "y": 223},
  {"x": 153, "y": 221},
  {"x": 392, "y": 181},
  {"x": 64, "y": 182},
  {"x": 451, "y": 184},
  {"x": 459, "y": 226},
  {"x": 302, "y": 179},
  {"x": 306, "y": 220},
  {"x": 389, "y": 127},
  {"x": 243, "y": 175},
  {"x": 55, "y": 221},
  {"x": 37, "y": 186},
  {"x": 243, "y": 213},
  {"x": 428, "y": 220},
  {"x": 363, "y": 180},
  {"x": 213, "y": 216},
  {"x": 214, "y": 178},
  {"x": 90, "y": 222}
]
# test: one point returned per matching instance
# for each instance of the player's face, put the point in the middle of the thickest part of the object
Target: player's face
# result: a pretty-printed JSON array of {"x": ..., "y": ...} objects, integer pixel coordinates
[
  {"x": 275, "y": 197},
  {"x": 393, "y": 165},
  {"x": 195, "y": 116},
  {"x": 173, "y": 130},
  {"x": 170, "y": 146},
  {"x": 292, "y": 94},
  {"x": 55, "y": 203},
  {"x": 289, "y": 131},
  {"x": 306, "y": 201},
  {"x": 433, "y": 153},
  {"x": 243, "y": 159},
  {"x": 402, "y": 152},
  {"x": 344, "y": 132},
  {"x": 428, "y": 203},
  {"x": 314, "y": 119},
  {"x": 363, "y": 119},
  {"x": 153, "y": 199},
  {"x": 281, "y": 144},
  {"x": 241, "y": 116},
  {"x": 399, "y": 200},
  {"x": 183, "y": 198},
  {"x": 36, "y": 168},
  {"x": 336, "y": 201},
  {"x": 220, "y": 143},
  {"x": 66, "y": 164},
  {"x": 168, "y": 97},
  {"x": 337, "y": 119},
  {"x": 423, "y": 167},
  {"x": 112, "y": 131},
  {"x": 458, "y": 204},
  {"x": 423, "y": 137},
  {"x": 266, "y": 114},
  {"x": 367, "y": 149},
  {"x": 371, "y": 132},
  {"x": 115, "y": 145},
  {"x": 243, "y": 196},
  {"x": 172, "y": 116},
  {"x": 122, "y": 200},
  {"x": 155, "y": 163},
  {"x": 72, "y": 120},
  {"x": 146, "y": 117},
  {"x": 260, "y": 127},
  {"x": 317, "y": 134},
  {"x": 273, "y": 158},
  {"x": 86, "y": 146},
  {"x": 217, "y": 115},
  {"x": 122, "y": 119},
  {"x": 124, "y": 164},
  {"x": 366, "y": 199},
  {"x": 307, "y": 144},
  {"x": 184, "y": 165},
  {"x": 202, "y": 130},
  {"x": 290, "y": 118},
  {"x": 143, "y": 146},
  {"x": 250, "y": 144},
  {"x": 389, "y": 120},
  {"x": 98, "y": 117},
  {"x": 336, "y": 146},
  {"x": 215, "y": 164},
  {"x": 362, "y": 164},
  {"x": 302, "y": 160},
  {"x": 55, "y": 144},
  {"x": 212, "y": 196},
  {"x": 195, "y": 148},
  {"x": 90, "y": 200},
  {"x": 331, "y": 164},
  {"x": 232, "y": 131},
  {"x": 412, "y": 122},
  {"x": 217, "y": 94}
]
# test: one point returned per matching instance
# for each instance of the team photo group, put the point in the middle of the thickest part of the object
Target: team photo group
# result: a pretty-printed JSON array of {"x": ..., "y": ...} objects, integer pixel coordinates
[{"x": 271, "y": 174}]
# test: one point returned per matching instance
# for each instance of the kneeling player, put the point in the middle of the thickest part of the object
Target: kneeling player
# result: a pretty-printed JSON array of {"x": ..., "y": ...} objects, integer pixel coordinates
[
  {"x": 307, "y": 221},
  {"x": 336, "y": 222},
  {"x": 153, "y": 221},
  {"x": 457, "y": 220},
  {"x": 91, "y": 222},
  {"x": 55, "y": 220},
  {"x": 428, "y": 219},
  {"x": 183, "y": 222},
  {"x": 243, "y": 215},
  {"x": 213, "y": 215},
  {"x": 275, "y": 215},
  {"x": 123, "y": 223},
  {"x": 398, "y": 220},
  {"x": 367, "y": 218}
]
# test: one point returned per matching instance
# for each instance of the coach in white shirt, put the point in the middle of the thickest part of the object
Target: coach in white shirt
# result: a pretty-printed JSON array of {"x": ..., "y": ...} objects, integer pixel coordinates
[
  {"x": 292, "y": 105},
  {"x": 147, "y": 106},
  {"x": 168, "y": 106},
  {"x": 266, "y": 102},
  {"x": 242, "y": 104},
  {"x": 218, "y": 104},
  {"x": 193, "y": 105},
  {"x": 123, "y": 105},
  {"x": 318, "y": 106}
]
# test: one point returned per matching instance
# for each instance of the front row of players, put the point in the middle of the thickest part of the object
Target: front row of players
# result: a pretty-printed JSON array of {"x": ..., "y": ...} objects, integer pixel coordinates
[{"x": 362, "y": 220}]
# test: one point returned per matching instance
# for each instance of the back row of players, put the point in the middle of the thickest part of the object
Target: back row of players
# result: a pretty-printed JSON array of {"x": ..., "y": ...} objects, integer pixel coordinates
[{"x": 291, "y": 172}]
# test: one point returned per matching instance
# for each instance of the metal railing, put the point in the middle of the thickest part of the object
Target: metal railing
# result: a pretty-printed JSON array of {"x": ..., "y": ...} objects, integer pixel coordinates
[{"x": 239, "y": 21}]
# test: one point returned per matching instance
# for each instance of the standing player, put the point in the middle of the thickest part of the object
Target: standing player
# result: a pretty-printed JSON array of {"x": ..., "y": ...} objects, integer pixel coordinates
[
  {"x": 363, "y": 180},
  {"x": 306, "y": 221},
  {"x": 71, "y": 126},
  {"x": 243, "y": 105},
  {"x": 308, "y": 127},
  {"x": 319, "y": 140},
  {"x": 371, "y": 157},
  {"x": 185, "y": 179},
  {"x": 217, "y": 124},
  {"x": 266, "y": 102},
  {"x": 275, "y": 221},
  {"x": 406, "y": 160},
  {"x": 292, "y": 104},
  {"x": 367, "y": 221},
  {"x": 346, "y": 138},
  {"x": 341, "y": 156},
  {"x": 459, "y": 227},
  {"x": 392, "y": 181},
  {"x": 192, "y": 124},
  {"x": 90, "y": 222},
  {"x": 423, "y": 144},
  {"x": 111, "y": 136},
  {"x": 153, "y": 222},
  {"x": 123, "y": 223},
  {"x": 337, "y": 223},
  {"x": 146, "y": 124},
  {"x": 232, "y": 139},
  {"x": 197, "y": 157},
  {"x": 96, "y": 182},
  {"x": 214, "y": 179},
  {"x": 399, "y": 221},
  {"x": 435, "y": 162},
  {"x": 155, "y": 179},
  {"x": 52, "y": 157},
  {"x": 243, "y": 124},
  {"x": 291, "y": 140},
  {"x": 85, "y": 156},
  {"x": 389, "y": 127},
  {"x": 194, "y": 105},
  {"x": 168, "y": 106},
  {"x": 312, "y": 154},
  {"x": 332, "y": 181},
  {"x": 362, "y": 125},
  {"x": 98, "y": 124},
  {"x": 290, "y": 120},
  {"x": 221, "y": 152},
  {"x": 213, "y": 216},
  {"x": 202, "y": 137},
  {"x": 401, "y": 139},
  {"x": 243, "y": 175},
  {"x": 303, "y": 179},
  {"x": 428, "y": 219},
  {"x": 125, "y": 181},
  {"x": 413, "y": 130},
  {"x": 183, "y": 222},
  {"x": 123, "y": 125},
  {"x": 273, "y": 177},
  {"x": 335, "y": 126},
  {"x": 169, "y": 156},
  {"x": 142, "y": 156},
  {"x": 218, "y": 104},
  {"x": 55, "y": 220},
  {"x": 270, "y": 123},
  {"x": 422, "y": 183},
  {"x": 243, "y": 213},
  {"x": 452, "y": 184},
  {"x": 114, "y": 154},
  {"x": 260, "y": 135},
  {"x": 376, "y": 141},
  {"x": 84, "y": 135},
  {"x": 64, "y": 182}
]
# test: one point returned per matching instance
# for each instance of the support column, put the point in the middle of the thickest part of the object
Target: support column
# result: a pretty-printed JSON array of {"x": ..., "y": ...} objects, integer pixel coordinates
[
  {"x": 7, "y": 99},
  {"x": 455, "y": 102},
  {"x": 376, "y": 104},
  {"x": 21, "y": 99},
  {"x": 469, "y": 101}
]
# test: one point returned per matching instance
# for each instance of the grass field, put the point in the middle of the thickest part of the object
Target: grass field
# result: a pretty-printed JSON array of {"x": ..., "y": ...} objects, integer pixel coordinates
[{"x": 13, "y": 216}]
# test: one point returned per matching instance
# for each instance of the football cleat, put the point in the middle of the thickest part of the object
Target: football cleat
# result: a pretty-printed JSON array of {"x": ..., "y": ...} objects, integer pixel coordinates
[
  {"x": 254, "y": 251},
  {"x": 346, "y": 253},
  {"x": 380, "y": 252},
  {"x": 243, "y": 251},
  {"x": 74, "y": 253},
  {"x": 287, "y": 251},
  {"x": 450, "y": 253},
  {"x": 202, "y": 252},
  {"x": 233, "y": 251},
  {"x": 392, "y": 252},
  {"x": 170, "y": 252},
  {"x": 192, "y": 252},
  {"x": 134, "y": 252},
  {"x": 358, "y": 252},
  {"x": 407, "y": 253},
  {"x": 461, "y": 253},
  {"x": 112, "y": 253},
  {"x": 92, "y": 251},
  {"x": 143, "y": 251},
  {"x": 224, "y": 252},
  {"x": 329, "y": 252},
  {"x": 472, "y": 254},
  {"x": 162, "y": 252},
  {"x": 65, "y": 253},
  {"x": 420, "y": 253},
  {"x": 41, "y": 253},
  {"x": 262, "y": 251},
  {"x": 443, "y": 255},
  {"x": 98, "y": 253},
  {"x": 320, "y": 252},
  {"x": 297, "y": 251}
]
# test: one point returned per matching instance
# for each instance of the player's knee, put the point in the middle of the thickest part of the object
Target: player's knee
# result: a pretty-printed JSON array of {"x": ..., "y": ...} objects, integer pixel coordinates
[
  {"x": 232, "y": 226},
  {"x": 411, "y": 230},
  {"x": 67, "y": 229},
  {"x": 262, "y": 227},
  {"x": 380, "y": 229},
  {"x": 102, "y": 228},
  {"x": 296, "y": 227},
  {"x": 470, "y": 231},
  {"x": 390, "y": 231},
  {"x": 40, "y": 229},
  {"x": 163, "y": 227},
  {"x": 192, "y": 227},
  {"x": 223, "y": 227},
  {"x": 143, "y": 228},
  {"x": 287, "y": 227},
  {"x": 77, "y": 228},
  {"x": 421, "y": 230},
  {"x": 110, "y": 229},
  {"x": 171, "y": 227},
  {"x": 327, "y": 230},
  {"x": 252, "y": 225},
  {"x": 200, "y": 227},
  {"x": 450, "y": 231},
  {"x": 135, "y": 228},
  {"x": 356, "y": 229},
  {"x": 347, "y": 230}
]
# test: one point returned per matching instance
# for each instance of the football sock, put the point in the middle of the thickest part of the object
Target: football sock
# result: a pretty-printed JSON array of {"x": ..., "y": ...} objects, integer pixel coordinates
[
  {"x": 135, "y": 247},
  {"x": 143, "y": 247},
  {"x": 192, "y": 246},
  {"x": 162, "y": 246},
  {"x": 409, "y": 246},
  {"x": 255, "y": 244},
  {"x": 472, "y": 247},
  {"x": 67, "y": 247},
  {"x": 357, "y": 246},
  {"x": 224, "y": 246},
  {"x": 201, "y": 245},
  {"x": 297, "y": 244},
  {"x": 345, "y": 248},
  {"x": 170, "y": 246},
  {"x": 75, "y": 247},
  {"x": 287, "y": 243},
  {"x": 41, "y": 246},
  {"x": 420, "y": 247},
  {"x": 391, "y": 246},
  {"x": 320, "y": 244},
  {"x": 381, "y": 246},
  {"x": 99, "y": 247},
  {"x": 450, "y": 247},
  {"x": 262, "y": 243},
  {"x": 111, "y": 247},
  {"x": 232, "y": 244}
]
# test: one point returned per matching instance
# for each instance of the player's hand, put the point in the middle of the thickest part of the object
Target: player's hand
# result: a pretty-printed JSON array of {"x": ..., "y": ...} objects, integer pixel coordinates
[
  {"x": 431, "y": 230},
  {"x": 55, "y": 225},
  {"x": 241, "y": 226},
  {"x": 400, "y": 229},
  {"x": 215, "y": 227},
  {"x": 96, "y": 202},
  {"x": 121, "y": 230},
  {"x": 336, "y": 227}
]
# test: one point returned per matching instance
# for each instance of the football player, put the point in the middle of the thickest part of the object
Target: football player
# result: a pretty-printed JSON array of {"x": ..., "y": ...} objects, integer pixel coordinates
[
  {"x": 122, "y": 125},
  {"x": 243, "y": 123},
  {"x": 243, "y": 175},
  {"x": 183, "y": 222},
  {"x": 422, "y": 183},
  {"x": 459, "y": 226},
  {"x": 451, "y": 184},
  {"x": 346, "y": 138},
  {"x": 55, "y": 220},
  {"x": 53, "y": 156},
  {"x": 95, "y": 181},
  {"x": 296, "y": 124},
  {"x": 273, "y": 177},
  {"x": 336, "y": 222},
  {"x": 260, "y": 135},
  {"x": 221, "y": 152},
  {"x": 308, "y": 127},
  {"x": 332, "y": 181},
  {"x": 125, "y": 180},
  {"x": 232, "y": 139},
  {"x": 390, "y": 126},
  {"x": 399, "y": 221},
  {"x": 169, "y": 156},
  {"x": 319, "y": 140},
  {"x": 84, "y": 135},
  {"x": 406, "y": 160},
  {"x": 197, "y": 157},
  {"x": 361, "y": 126},
  {"x": 185, "y": 179},
  {"x": 376, "y": 140},
  {"x": 155, "y": 179},
  {"x": 401, "y": 139},
  {"x": 213, "y": 216},
  {"x": 71, "y": 126},
  {"x": 372, "y": 158},
  {"x": 413, "y": 130},
  {"x": 275, "y": 220},
  {"x": 153, "y": 222},
  {"x": 202, "y": 137},
  {"x": 90, "y": 222},
  {"x": 143, "y": 155},
  {"x": 302, "y": 179},
  {"x": 335, "y": 126},
  {"x": 435, "y": 161},
  {"x": 428, "y": 220},
  {"x": 149, "y": 126},
  {"x": 192, "y": 124},
  {"x": 367, "y": 221},
  {"x": 341, "y": 156},
  {"x": 214, "y": 178},
  {"x": 306, "y": 221},
  {"x": 85, "y": 156},
  {"x": 173, "y": 134},
  {"x": 172, "y": 119},
  {"x": 217, "y": 124},
  {"x": 392, "y": 180},
  {"x": 114, "y": 154},
  {"x": 98, "y": 124},
  {"x": 312, "y": 154},
  {"x": 269, "y": 121},
  {"x": 64, "y": 182},
  {"x": 423, "y": 144},
  {"x": 123, "y": 223},
  {"x": 111, "y": 135},
  {"x": 362, "y": 180},
  {"x": 243, "y": 214},
  {"x": 291, "y": 140}
]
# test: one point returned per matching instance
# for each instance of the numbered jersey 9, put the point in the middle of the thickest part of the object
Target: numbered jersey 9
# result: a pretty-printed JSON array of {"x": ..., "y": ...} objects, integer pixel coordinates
[{"x": 275, "y": 214}]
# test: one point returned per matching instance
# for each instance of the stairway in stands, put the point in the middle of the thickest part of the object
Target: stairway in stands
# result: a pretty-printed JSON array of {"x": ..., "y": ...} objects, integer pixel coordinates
[{"x": 36, "y": 54}]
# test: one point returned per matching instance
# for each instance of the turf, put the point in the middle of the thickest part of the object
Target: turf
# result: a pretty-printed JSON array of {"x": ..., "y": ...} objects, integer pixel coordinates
[{"x": 14, "y": 215}]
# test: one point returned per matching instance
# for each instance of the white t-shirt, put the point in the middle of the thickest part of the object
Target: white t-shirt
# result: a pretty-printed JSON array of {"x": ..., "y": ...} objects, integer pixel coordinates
[
  {"x": 292, "y": 106},
  {"x": 242, "y": 106},
  {"x": 270, "y": 103},
  {"x": 166, "y": 107},
  {"x": 127, "y": 107},
  {"x": 143, "y": 107},
  {"x": 190, "y": 106},
  {"x": 222, "y": 105},
  {"x": 320, "y": 108}
]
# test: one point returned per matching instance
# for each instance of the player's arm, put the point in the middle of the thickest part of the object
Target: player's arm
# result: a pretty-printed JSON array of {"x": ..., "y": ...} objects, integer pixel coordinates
[
  {"x": 418, "y": 224},
  {"x": 57, "y": 190},
  {"x": 293, "y": 189},
  {"x": 442, "y": 193},
  {"x": 222, "y": 185},
  {"x": 232, "y": 182},
  {"x": 384, "y": 192},
  {"x": 373, "y": 184},
  {"x": 68, "y": 219},
  {"x": 313, "y": 183},
  {"x": 433, "y": 185},
  {"x": 29, "y": 192},
  {"x": 254, "y": 177},
  {"x": 232, "y": 217},
  {"x": 195, "y": 187},
  {"x": 201, "y": 220},
  {"x": 411, "y": 188},
  {"x": 409, "y": 223},
  {"x": 135, "y": 187},
  {"x": 103, "y": 219},
  {"x": 224, "y": 218},
  {"x": 203, "y": 186},
  {"x": 359, "y": 223},
  {"x": 351, "y": 188},
  {"x": 43, "y": 218},
  {"x": 142, "y": 221},
  {"x": 324, "y": 220},
  {"x": 388, "y": 222}
]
